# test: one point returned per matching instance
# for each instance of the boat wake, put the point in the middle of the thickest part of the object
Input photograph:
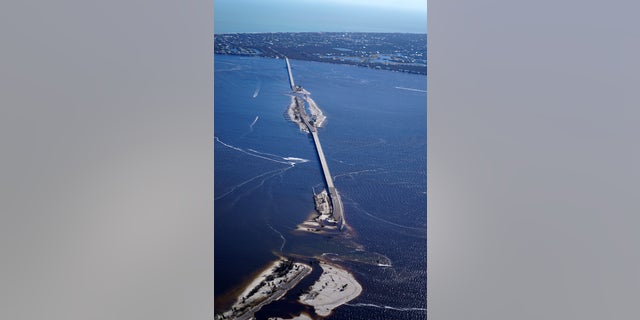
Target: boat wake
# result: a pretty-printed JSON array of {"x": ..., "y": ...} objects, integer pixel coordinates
[
  {"x": 277, "y": 174},
  {"x": 369, "y": 305},
  {"x": 413, "y": 229},
  {"x": 297, "y": 160},
  {"x": 292, "y": 161},
  {"x": 257, "y": 91},
  {"x": 273, "y": 173},
  {"x": 351, "y": 174},
  {"x": 284, "y": 241},
  {"x": 411, "y": 89},
  {"x": 254, "y": 122}
]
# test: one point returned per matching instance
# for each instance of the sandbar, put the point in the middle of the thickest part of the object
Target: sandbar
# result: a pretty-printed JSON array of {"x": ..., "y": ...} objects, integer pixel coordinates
[
  {"x": 335, "y": 287},
  {"x": 270, "y": 285}
]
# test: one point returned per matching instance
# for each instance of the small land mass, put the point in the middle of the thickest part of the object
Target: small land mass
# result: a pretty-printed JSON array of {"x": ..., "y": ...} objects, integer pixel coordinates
[
  {"x": 270, "y": 285},
  {"x": 335, "y": 287},
  {"x": 405, "y": 52}
]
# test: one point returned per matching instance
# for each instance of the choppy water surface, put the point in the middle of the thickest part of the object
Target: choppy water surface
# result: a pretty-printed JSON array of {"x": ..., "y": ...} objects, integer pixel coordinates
[{"x": 265, "y": 168}]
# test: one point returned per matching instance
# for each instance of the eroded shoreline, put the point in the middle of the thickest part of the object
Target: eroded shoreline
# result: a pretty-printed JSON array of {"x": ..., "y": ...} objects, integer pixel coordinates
[
  {"x": 335, "y": 287},
  {"x": 270, "y": 285}
]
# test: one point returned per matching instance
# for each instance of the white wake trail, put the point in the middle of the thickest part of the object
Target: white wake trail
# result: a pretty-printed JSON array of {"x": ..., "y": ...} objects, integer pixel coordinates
[
  {"x": 264, "y": 153},
  {"x": 296, "y": 160},
  {"x": 292, "y": 160},
  {"x": 257, "y": 91},
  {"x": 384, "y": 307},
  {"x": 411, "y": 89},
  {"x": 234, "y": 188},
  {"x": 284, "y": 241},
  {"x": 351, "y": 174},
  {"x": 278, "y": 173},
  {"x": 367, "y": 213},
  {"x": 254, "y": 122},
  {"x": 389, "y": 222},
  {"x": 254, "y": 154}
]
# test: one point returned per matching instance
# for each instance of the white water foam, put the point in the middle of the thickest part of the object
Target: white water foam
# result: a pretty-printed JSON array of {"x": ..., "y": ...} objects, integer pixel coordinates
[{"x": 297, "y": 160}]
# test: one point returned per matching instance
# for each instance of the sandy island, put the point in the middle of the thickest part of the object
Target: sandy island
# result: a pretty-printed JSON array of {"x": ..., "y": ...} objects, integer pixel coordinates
[
  {"x": 335, "y": 287},
  {"x": 317, "y": 116},
  {"x": 312, "y": 224},
  {"x": 272, "y": 284}
]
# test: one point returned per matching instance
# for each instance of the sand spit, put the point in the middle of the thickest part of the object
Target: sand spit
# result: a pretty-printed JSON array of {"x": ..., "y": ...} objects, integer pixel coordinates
[
  {"x": 313, "y": 224},
  {"x": 273, "y": 283},
  {"x": 335, "y": 287},
  {"x": 316, "y": 113}
]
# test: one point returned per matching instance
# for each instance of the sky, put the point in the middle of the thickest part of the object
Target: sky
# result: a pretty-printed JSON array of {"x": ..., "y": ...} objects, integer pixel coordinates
[{"x": 236, "y": 16}]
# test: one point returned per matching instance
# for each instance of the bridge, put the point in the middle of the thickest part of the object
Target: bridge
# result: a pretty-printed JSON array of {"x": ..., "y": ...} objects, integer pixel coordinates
[
  {"x": 293, "y": 85},
  {"x": 336, "y": 202}
]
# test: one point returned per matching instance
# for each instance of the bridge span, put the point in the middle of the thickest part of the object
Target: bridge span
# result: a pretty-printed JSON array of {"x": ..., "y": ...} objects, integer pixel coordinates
[
  {"x": 336, "y": 202},
  {"x": 293, "y": 85}
]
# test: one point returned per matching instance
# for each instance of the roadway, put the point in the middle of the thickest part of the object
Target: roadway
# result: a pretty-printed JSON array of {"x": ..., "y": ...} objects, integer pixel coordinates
[
  {"x": 280, "y": 291},
  {"x": 336, "y": 202},
  {"x": 293, "y": 85}
]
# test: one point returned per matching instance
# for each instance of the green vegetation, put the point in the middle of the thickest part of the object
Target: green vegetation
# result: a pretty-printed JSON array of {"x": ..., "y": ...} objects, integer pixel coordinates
[{"x": 283, "y": 268}]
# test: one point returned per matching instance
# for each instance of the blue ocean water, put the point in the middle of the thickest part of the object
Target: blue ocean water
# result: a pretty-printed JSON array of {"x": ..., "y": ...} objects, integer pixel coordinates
[{"x": 265, "y": 169}]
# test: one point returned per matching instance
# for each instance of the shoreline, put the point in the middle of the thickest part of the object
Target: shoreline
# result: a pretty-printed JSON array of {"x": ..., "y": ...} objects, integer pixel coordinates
[
  {"x": 256, "y": 281},
  {"x": 344, "y": 63},
  {"x": 316, "y": 113},
  {"x": 335, "y": 287},
  {"x": 270, "y": 285}
]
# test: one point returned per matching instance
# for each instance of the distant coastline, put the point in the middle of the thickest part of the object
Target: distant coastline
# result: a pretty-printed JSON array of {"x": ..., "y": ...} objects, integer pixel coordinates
[{"x": 403, "y": 52}]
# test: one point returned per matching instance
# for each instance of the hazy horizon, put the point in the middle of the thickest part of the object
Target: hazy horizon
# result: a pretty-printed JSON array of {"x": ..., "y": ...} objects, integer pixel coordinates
[{"x": 252, "y": 16}]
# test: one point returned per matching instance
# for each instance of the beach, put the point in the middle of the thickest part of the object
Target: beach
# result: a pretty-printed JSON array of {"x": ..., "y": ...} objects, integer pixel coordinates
[
  {"x": 335, "y": 287},
  {"x": 270, "y": 285},
  {"x": 316, "y": 113}
]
